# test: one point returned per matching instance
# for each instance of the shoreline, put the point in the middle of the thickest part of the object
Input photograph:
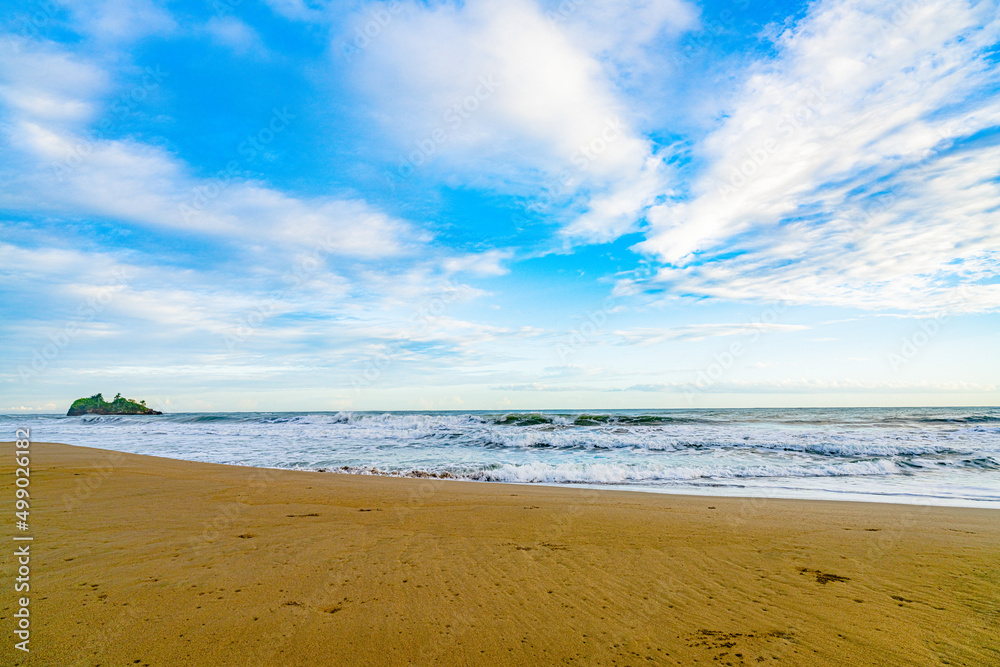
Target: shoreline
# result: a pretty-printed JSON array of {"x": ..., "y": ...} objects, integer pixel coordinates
[
  {"x": 165, "y": 561},
  {"x": 689, "y": 493},
  {"x": 921, "y": 456},
  {"x": 666, "y": 490},
  {"x": 767, "y": 492}
]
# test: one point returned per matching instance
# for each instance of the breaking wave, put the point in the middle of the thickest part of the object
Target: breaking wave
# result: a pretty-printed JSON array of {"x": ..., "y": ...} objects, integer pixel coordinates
[{"x": 917, "y": 452}]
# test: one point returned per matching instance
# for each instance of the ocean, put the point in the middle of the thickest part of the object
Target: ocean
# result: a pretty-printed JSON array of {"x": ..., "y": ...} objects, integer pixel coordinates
[{"x": 939, "y": 456}]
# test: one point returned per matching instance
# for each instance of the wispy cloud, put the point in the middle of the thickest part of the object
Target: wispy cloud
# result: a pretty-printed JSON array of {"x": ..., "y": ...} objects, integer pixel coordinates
[
  {"x": 488, "y": 263},
  {"x": 551, "y": 124},
  {"x": 232, "y": 33},
  {"x": 701, "y": 331},
  {"x": 147, "y": 185},
  {"x": 856, "y": 168},
  {"x": 781, "y": 386},
  {"x": 120, "y": 20}
]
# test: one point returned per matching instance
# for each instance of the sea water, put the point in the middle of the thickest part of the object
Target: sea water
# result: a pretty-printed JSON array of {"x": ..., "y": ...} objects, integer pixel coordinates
[{"x": 941, "y": 456}]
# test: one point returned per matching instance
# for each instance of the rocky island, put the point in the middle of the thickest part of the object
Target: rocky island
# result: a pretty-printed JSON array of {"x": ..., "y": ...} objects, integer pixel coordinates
[{"x": 96, "y": 405}]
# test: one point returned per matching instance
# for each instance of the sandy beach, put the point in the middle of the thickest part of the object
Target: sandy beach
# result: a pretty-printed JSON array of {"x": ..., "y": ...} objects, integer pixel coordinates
[{"x": 150, "y": 561}]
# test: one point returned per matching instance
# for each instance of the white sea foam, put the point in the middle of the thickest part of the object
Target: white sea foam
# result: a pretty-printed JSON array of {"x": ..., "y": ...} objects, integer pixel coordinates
[
  {"x": 923, "y": 453},
  {"x": 603, "y": 473}
]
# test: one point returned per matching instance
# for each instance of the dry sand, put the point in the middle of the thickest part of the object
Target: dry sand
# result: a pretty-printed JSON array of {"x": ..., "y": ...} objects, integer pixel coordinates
[{"x": 150, "y": 561}]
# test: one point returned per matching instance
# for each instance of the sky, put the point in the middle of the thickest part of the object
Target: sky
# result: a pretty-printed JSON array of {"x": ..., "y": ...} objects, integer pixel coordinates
[{"x": 243, "y": 205}]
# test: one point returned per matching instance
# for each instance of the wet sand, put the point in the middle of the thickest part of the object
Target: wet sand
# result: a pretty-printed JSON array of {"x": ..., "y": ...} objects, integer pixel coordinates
[{"x": 149, "y": 561}]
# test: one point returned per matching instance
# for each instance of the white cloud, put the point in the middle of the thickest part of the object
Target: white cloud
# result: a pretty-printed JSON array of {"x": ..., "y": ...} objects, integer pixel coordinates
[
  {"x": 287, "y": 287},
  {"x": 145, "y": 185},
  {"x": 226, "y": 371},
  {"x": 701, "y": 331},
  {"x": 40, "y": 81},
  {"x": 795, "y": 385},
  {"x": 496, "y": 95},
  {"x": 31, "y": 266},
  {"x": 318, "y": 319},
  {"x": 297, "y": 10},
  {"x": 58, "y": 168},
  {"x": 779, "y": 386},
  {"x": 105, "y": 285},
  {"x": 836, "y": 177},
  {"x": 121, "y": 20},
  {"x": 106, "y": 294},
  {"x": 47, "y": 407},
  {"x": 232, "y": 33},
  {"x": 620, "y": 32},
  {"x": 489, "y": 263}
]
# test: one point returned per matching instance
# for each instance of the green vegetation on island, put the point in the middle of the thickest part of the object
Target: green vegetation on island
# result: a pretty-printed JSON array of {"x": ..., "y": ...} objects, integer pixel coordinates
[{"x": 96, "y": 405}]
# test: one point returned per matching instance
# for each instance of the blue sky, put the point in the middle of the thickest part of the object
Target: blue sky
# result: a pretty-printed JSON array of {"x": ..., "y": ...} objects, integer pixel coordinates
[{"x": 279, "y": 204}]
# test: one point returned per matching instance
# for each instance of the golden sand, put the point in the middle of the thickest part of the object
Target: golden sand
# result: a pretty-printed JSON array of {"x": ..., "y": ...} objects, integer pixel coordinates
[{"x": 150, "y": 561}]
